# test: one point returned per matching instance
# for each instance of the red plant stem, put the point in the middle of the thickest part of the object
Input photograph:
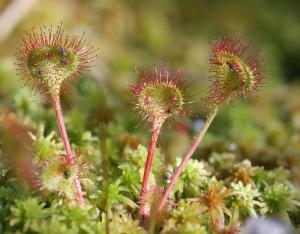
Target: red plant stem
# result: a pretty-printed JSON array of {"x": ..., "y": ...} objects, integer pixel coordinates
[
  {"x": 69, "y": 154},
  {"x": 187, "y": 157},
  {"x": 62, "y": 129},
  {"x": 156, "y": 127}
]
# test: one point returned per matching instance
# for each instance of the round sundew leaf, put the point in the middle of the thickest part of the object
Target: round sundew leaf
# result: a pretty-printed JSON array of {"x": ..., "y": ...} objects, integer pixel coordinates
[
  {"x": 49, "y": 61},
  {"x": 234, "y": 74},
  {"x": 52, "y": 65},
  {"x": 159, "y": 95},
  {"x": 161, "y": 100},
  {"x": 237, "y": 70}
]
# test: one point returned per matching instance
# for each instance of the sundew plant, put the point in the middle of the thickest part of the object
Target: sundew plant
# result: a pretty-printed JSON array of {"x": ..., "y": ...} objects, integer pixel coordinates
[
  {"x": 49, "y": 61},
  {"x": 179, "y": 152}
]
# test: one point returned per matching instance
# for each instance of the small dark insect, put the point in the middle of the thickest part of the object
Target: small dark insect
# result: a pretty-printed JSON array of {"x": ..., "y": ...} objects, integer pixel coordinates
[
  {"x": 231, "y": 67},
  {"x": 39, "y": 72},
  {"x": 66, "y": 173},
  {"x": 62, "y": 51}
]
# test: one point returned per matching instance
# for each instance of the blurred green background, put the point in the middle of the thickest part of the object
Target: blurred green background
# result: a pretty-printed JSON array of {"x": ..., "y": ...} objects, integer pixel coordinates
[{"x": 137, "y": 33}]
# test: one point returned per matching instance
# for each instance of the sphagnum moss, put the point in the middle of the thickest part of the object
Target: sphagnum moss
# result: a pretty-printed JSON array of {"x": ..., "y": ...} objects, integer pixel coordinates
[{"x": 49, "y": 61}]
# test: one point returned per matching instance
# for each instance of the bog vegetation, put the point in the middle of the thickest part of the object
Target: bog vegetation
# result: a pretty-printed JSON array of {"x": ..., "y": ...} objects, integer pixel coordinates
[{"x": 65, "y": 178}]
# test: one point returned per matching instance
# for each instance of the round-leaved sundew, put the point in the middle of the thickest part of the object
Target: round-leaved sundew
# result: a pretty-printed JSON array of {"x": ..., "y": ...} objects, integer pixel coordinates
[
  {"x": 159, "y": 95},
  {"x": 237, "y": 70},
  {"x": 49, "y": 60}
]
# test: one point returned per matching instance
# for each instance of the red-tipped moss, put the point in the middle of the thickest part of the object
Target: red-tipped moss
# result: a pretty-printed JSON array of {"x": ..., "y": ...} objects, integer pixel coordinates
[
  {"x": 48, "y": 60},
  {"x": 214, "y": 200},
  {"x": 237, "y": 70}
]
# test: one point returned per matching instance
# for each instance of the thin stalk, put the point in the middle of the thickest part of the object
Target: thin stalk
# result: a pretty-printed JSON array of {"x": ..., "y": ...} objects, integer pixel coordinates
[
  {"x": 156, "y": 127},
  {"x": 105, "y": 169},
  {"x": 69, "y": 154},
  {"x": 187, "y": 157}
]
